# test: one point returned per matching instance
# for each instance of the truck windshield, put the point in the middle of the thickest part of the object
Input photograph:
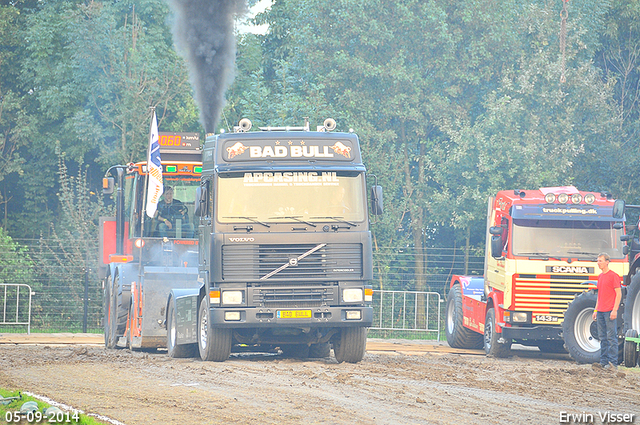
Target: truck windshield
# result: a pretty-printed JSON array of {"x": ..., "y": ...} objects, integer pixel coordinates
[
  {"x": 565, "y": 238},
  {"x": 292, "y": 196},
  {"x": 174, "y": 215}
]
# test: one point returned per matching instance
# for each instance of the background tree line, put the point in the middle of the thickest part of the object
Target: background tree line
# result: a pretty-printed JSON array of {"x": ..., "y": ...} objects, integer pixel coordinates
[{"x": 452, "y": 100}]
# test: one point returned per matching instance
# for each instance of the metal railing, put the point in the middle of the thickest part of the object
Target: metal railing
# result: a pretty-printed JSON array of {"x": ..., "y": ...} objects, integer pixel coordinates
[
  {"x": 12, "y": 307},
  {"x": 413, "y": 311}
]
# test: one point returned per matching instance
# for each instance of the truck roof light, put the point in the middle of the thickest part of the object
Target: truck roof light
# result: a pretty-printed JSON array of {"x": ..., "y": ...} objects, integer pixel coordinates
[
  {"x": 549, "y": 198},
  {"x": 576, "y": 198},
  {"x": 589, "y": 198},
  {"x": 563, "y": 198}
]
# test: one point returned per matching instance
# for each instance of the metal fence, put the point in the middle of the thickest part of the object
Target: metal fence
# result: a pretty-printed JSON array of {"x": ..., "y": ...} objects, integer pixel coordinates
[
  {"x": 16, "y": 304},
  {"x": 403, "y": 314},
  {"x": 67, "y": 294}
]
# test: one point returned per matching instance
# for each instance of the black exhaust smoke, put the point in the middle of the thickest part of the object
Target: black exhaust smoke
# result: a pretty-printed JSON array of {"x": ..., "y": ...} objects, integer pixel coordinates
[{"x": 204, "y": 34}]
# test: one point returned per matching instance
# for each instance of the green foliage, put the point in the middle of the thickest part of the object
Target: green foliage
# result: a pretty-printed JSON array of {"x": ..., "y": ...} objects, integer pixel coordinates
[
  {"x": 15, "y": 405},
  {"x": 16, "y": 266}
]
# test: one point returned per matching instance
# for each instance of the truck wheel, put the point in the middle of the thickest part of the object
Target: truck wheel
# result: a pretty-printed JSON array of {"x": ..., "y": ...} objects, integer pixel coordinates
[
  {"x": 457, "y": 335},
  {"x": 492, "y": 345},
  {"x": 350, "y": 345},
  {"x": 551, "y": 346},
  {"x": 108, "y": 317},
  {"x": 320, "y": 351},
  {"x": 176, "y": 351},
  {"x": 111, "y": 328},
  {"x": 630, "y": 349},
  {"x": 631, "y": 313},
  {"x": 580, "y": 330},
  {"x": 214, "y": 344}
]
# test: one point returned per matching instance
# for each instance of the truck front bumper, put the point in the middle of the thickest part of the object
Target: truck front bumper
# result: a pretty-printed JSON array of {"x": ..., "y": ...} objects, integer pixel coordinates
[
  {"x": 542, "y": 332},
  {"x": 252, "y": 317}
]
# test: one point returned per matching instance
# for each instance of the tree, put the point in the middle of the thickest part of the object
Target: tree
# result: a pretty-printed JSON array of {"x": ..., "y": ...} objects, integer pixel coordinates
[{"x": 91, "y": 72}]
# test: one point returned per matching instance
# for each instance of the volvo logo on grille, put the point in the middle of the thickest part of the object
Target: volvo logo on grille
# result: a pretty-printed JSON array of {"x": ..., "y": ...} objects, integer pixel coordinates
[
  {"x": 570, "y": 269},
  {"x": 293, "y": 261},
  {"x": 241, "y": 239}
]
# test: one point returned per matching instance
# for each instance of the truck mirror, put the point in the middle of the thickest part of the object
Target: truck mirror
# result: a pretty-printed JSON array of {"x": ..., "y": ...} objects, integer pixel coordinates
[
  {"x": 618, "y": 208},
  {"x": 625, "y": 238},
  {"x": 496, "y": 230},
  {"x": 201, "y": 201},
  {"x": 496, "y": 246},
  {"x": 108, "y": 185},
  {"x": 376, "y": 200},
  {"x": 625, "y": 250},
  {"x": 617, "y": 225}
]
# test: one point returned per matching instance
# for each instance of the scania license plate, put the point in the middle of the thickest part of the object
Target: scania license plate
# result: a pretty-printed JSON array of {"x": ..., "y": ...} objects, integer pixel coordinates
[
  {"x": 545, "y": 318},
  {"x": 293, "y": 314}
]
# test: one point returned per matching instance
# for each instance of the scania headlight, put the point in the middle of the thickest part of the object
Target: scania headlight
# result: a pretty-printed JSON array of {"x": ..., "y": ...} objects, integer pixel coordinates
[
  {"x": 515, "y": 317},
  {"x": 518, "y": 317},
  {"x": 352, "y": 295},
  {"x": 232, "y": 297}
]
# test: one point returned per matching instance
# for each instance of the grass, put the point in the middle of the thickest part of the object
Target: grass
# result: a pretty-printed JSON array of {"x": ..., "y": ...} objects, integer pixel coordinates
[{"x": 8, "y": 413}]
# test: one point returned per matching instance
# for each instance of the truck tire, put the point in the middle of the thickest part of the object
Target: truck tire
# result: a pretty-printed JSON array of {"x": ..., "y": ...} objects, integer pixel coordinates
[
  {"x": 350, "y": 345},
  {"x": 580, "y": 330},
  {"x": 175, "y": 350},
  {"x": 111, "y": 327},
  {"x": 214, "y": 344},
  {"x": 631, "y": 315},
  {"x": 492, "y": 344},
  {"x": 121, "y": 311},
  {"x": 320, "y": 351},
  {"x": 630, "y": 349},
  {"x": 457, "y": 335},
  {"x": 108, "y": 315}
]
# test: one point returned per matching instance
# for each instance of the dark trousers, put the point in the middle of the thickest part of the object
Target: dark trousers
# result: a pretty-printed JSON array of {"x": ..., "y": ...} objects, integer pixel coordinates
[{"x": 608, "y": 335}]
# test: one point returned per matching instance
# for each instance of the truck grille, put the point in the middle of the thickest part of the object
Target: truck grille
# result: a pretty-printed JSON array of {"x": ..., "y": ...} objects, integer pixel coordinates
[
  {"x": 293, "y": 297},
  {"x": 547, "y": 294},
  {"x": 253, "y": 262}
]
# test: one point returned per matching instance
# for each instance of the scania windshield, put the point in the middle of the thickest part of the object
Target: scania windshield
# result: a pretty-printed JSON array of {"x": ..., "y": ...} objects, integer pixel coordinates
[
  {"x": 566, "y": 238},
  {"x": 291, "y": 196}
]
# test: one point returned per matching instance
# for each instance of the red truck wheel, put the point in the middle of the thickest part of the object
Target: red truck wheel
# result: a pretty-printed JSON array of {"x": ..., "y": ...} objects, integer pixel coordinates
[
  {"x": 494, "y": 344},
  {"x": 579, "y": 329},
  {"x": 457, "y": 335}
]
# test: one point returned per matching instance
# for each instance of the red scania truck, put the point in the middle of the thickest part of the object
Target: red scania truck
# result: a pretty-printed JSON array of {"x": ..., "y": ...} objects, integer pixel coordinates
[{"x": 540, "y": 273}]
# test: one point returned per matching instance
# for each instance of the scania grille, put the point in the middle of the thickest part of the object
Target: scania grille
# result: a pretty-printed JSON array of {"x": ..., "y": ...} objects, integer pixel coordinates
[
  {"x": 547, "y": 294},
  {"x": 293, "y": 297},
  {"x": 253, "y": 262}
]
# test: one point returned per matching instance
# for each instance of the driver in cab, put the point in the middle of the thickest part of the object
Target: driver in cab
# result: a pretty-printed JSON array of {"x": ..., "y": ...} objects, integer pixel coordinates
[{"x": 169, "y": 211}]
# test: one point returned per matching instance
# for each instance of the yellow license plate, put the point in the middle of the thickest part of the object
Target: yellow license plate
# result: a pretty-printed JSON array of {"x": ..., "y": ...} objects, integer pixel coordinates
[{"x": 294, "y": 314}]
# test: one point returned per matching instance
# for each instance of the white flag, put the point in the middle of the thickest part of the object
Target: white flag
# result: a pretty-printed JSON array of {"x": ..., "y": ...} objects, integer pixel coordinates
[{"x": 154, "y": 168}]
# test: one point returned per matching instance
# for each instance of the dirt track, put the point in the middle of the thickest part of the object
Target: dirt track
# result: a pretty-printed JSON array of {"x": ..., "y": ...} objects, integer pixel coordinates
[{"x": 421, "y": 386}]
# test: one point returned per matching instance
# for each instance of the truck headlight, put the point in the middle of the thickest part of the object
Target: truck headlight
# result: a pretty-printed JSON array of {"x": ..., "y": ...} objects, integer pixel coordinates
[
  {"x": 515, "y": 317},
  {"x": 352, "y": 295},
  {"x": 232, "y": 297},
  {"x": 518, "y": 317}
]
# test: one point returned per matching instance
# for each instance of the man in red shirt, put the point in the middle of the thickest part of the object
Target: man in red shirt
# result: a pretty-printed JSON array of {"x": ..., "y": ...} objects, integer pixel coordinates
[{"x": 606, "y": 312}]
